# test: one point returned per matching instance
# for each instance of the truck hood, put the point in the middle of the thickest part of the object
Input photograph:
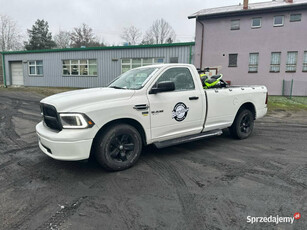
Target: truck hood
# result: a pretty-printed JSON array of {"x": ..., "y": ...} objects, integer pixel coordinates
[{"x": 68, "y": 101}]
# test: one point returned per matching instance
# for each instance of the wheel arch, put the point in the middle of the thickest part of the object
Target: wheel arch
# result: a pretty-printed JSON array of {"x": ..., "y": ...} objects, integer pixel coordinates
[
  {"x": 130, "y": 121},
  {"x": 250, "y": 106},
  {"x": 234, "y": 127}
]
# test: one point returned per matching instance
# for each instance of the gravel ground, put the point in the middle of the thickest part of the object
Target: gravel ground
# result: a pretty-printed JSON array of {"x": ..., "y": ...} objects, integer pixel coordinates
[{"x": 210, "y": 184}]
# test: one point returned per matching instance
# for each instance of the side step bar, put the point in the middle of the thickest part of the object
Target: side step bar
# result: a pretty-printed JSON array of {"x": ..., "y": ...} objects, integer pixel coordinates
[{"x": 182, "y": 140}]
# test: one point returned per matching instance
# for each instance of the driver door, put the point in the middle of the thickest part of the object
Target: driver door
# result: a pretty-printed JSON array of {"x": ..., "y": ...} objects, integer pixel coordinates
[{"x": 176, "y": 113}]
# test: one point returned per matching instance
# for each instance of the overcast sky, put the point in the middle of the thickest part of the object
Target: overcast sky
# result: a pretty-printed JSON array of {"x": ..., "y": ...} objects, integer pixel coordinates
[{"x": 109, "y": 17}]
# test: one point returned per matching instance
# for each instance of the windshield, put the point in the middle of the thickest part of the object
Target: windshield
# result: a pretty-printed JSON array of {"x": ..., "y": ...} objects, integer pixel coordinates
[{"x": 133, "y": 79}]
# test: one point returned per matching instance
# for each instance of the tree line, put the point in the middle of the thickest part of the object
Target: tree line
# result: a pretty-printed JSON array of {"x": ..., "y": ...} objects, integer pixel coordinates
[{"x": 39, "y": 36}]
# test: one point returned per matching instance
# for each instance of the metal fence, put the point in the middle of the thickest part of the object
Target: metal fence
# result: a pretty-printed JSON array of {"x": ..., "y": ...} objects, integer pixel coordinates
[{"x": 294, "y": 88}]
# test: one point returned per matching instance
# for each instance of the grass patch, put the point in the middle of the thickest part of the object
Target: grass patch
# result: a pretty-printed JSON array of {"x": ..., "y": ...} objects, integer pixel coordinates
[
  {"x": 283, "y": 103},
  {"x": 45, "y": 91}
]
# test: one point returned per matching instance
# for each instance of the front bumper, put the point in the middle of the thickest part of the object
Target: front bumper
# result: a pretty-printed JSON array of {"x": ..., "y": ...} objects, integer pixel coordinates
[{"x": 68, "y": 144}]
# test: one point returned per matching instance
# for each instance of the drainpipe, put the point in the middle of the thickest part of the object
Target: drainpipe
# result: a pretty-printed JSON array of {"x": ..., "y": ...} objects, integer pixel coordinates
[
  {"x": 190, "y": 58},
  {"x": 202, "y": 42},
  {"x": 3, "y": 68}
]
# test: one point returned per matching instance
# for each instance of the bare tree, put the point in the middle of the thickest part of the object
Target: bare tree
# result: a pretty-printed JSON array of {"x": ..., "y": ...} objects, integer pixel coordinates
[
  {"x": 132, "y": 35},
  {"x": 10, "y": 37},
  {"x": 84, "y": 36},
  {"x": 62, "y": 39},
  {"x": 148, "y": 39},
  {"x": 160, "y": 32}
]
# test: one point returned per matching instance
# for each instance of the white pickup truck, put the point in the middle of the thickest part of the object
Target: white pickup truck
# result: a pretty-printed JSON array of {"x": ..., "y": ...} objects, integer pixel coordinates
[{"x": 159, "y": 104}]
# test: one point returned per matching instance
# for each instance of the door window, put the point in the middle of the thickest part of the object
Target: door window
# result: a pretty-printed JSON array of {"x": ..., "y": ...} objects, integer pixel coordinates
[{"x": 180, "y": 76}]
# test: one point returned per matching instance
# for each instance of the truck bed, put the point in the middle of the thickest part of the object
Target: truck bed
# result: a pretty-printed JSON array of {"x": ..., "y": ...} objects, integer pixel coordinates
[{"x": 223, "y": 104}]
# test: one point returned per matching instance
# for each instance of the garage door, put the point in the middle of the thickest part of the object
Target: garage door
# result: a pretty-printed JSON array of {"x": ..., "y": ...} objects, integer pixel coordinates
[{"x": 17, "y": 73}]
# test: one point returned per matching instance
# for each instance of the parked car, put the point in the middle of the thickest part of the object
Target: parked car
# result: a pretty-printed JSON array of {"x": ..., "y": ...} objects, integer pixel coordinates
[{"x": 159, "y": 104}]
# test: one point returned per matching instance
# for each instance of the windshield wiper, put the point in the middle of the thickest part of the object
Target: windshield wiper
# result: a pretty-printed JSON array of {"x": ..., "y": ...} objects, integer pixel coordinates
[{"x": 116, "y": 87}]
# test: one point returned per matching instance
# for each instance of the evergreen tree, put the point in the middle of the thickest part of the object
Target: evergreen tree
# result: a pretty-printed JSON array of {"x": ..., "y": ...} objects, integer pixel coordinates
[{"x": 39, "y": 36}]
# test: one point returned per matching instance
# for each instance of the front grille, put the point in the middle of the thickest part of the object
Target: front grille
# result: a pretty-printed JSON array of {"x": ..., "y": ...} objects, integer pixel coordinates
[{"x": 51, "y": 117}]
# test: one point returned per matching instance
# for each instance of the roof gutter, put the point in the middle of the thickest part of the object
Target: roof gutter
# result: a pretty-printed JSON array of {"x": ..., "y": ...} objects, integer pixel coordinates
[
  {"x": 102, "y": 48},
  {"x": 251, "y": 11},
  {"x": 4, "y": 72}
]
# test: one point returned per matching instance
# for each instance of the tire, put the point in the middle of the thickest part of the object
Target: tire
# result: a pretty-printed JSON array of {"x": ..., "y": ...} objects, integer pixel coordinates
[
  {"x": 118, "y": 148},
  {"x": 243, "y": 124}
]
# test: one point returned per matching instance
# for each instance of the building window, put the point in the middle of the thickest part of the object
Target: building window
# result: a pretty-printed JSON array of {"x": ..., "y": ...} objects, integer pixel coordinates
[
  {"x": 256, "y": 23},
  {"x": 233, "y": 59},
  {"x": 84, "y": 67},
  {"x": 295, "y": 17},
  {"x": 235, "y": 24},
  {"x": 305, "y": 62},
  {"x": 35, "y": 68},
  {"x": 130, "y": 63},
  {"x": 275, "y": 62},
  {"x": 253, "y": 62},
  {"x": 279, "y": 20},
  {"x": 173, "y": 60},
  {"x": 291, "y": 62}
]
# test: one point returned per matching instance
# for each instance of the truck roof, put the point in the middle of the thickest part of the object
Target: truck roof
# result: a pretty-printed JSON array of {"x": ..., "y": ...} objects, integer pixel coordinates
[{"x": 166, "y": 65}]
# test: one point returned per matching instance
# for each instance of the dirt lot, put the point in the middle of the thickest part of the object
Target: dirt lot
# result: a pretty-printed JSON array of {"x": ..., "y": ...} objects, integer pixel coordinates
[{"x": 209, "y": 184}]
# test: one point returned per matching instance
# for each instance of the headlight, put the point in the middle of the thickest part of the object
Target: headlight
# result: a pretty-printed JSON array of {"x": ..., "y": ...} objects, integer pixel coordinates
[{"x": 75, "y": 121}]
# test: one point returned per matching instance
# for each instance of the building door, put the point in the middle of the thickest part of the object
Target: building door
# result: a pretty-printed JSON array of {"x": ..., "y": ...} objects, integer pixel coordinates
[{"x": 17, "y": 73}]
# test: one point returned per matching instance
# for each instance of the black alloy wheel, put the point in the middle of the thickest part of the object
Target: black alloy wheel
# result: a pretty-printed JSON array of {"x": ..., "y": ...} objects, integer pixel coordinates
[
  {"x": 118, "y": 147},
  {"x": 121, "y": 147},
  {"x": 243, "y": 124}
]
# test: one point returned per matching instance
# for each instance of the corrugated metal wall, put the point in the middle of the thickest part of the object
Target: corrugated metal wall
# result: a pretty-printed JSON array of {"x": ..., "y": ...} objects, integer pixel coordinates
[
  {"x": 1, "y": 70},
  {"x": 107, "y": 69}
]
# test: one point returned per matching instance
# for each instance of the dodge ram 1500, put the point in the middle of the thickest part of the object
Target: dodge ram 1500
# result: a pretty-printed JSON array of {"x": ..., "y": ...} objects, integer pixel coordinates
[{"x": 159, "y": 104}]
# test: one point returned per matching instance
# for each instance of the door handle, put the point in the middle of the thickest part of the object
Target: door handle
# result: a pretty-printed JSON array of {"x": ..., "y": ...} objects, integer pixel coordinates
[
  {"x": 193, "y": 98},
  {"x": 141, "y": 107}
]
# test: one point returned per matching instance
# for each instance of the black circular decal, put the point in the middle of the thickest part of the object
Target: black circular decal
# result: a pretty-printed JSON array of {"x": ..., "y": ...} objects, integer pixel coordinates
[{"x": 180, "y": 111}]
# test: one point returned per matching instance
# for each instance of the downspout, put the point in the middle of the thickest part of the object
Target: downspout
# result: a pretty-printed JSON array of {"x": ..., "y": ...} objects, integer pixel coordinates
[
  {"x": 190, "y": 58},
  {"x": 4, "y": 72},
  {"x": 202, "y": 42}
]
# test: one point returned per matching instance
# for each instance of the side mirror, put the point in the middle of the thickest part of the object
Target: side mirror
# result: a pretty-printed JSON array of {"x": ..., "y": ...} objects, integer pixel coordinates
[{"x": 164, "y": 86}]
